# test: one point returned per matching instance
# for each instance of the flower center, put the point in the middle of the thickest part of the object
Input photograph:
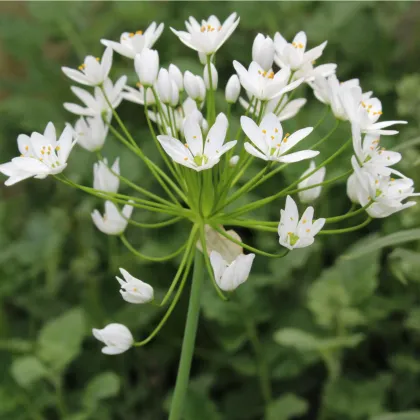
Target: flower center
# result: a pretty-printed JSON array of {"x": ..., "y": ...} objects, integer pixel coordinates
[
  {"x": 200, "y": 160},
  {"x": 209, "y": 28},
  {"x": 298, "y": 45},
  {"x": 369, "y": 109},
  {"x": 293, "y": 238},
  {"x": 268, "y": 75}
]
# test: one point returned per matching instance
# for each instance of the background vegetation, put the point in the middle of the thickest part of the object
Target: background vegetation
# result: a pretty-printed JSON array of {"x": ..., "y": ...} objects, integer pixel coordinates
[{"x": 341, "y": 336}]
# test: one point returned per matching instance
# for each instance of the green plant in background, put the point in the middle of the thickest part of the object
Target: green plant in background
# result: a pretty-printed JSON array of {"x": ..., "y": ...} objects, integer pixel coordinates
[{"x": 341, "y": 310}]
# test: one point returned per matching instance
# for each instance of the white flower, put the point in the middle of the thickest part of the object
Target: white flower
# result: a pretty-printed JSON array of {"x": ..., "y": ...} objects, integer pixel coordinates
[
  {"x": 293, "y": 55},
  {"x": 269, "y": 141},
  {"x": 132, "y": 43},
  {"x": 208, "y": 37},
  {"x": 96, "y": 105},
  {"x": 230, "y": 274},
  {"x": 104, "y": 178},
  {"x": 164, "y": 86},
  {"x": 317, "y": 177},
  {"x": 262, "y": 84},
  {"x": 91, "y": 133},
  {"x": 386, "y": 193},
  {"x": 263, "y": 51},
  {"x": 176, "y": 76},
  {"x": 233, "y": 161},
  {"x": 365, "y": 112},
  {"x": 146, "y": 65},
  {"x": 93, "y": 71},
  {"x": 174, "y": 95},
  {"x": 40, "y": 155},
  {"x": 137, "y": 95},
  {"x": 233, "y": 89},
  {"x": 134, "y": 290},
  {"x": 285, "y": 110},
  {"x": 116, "y": 337},
  {"x": 214, "y": 76},
  {"x": 195, "y": 153},
  {"x": 310, "y": 73},
  {"x": 295, "y": 233},
  {"x": 194, "y": 86},
  {"x": 112, "y": 222},
  {"x": 372, "y": 157}
]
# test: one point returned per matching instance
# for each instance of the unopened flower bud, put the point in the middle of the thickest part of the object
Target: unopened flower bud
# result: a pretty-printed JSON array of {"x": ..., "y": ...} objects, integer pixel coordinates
[
  {"x": 263, "y": 51},
  {"x": 233, "y": 161},
  {"x": 214, "y": 77},
  {"x": 164, "y": 86},
  {"x": 233, "y": 89},
  {"x": 116, "y": 337},
  {"x": 194, "y": 86},
  {"x": 176, "y": 76},
  {"x": 311, "y": 194},
  {"x": 146, "y": 65},
  {"x": 134, "y": 290},
  {"x": 174, "y": 94},
  {"x": 104, "y": 178}
]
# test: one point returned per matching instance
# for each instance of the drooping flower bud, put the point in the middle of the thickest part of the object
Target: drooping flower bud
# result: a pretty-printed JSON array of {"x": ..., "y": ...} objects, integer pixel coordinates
[
  {"x": 116, "y": 337},
  {"x": 104, "y": 178},
  {"x": 134, "y": 290},
  {"x": 233, "y": 89}
]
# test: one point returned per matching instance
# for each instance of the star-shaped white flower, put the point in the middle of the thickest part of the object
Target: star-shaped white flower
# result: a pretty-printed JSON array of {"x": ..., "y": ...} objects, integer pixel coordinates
[
  {"x": 265, "y": 85},
  {"x": 269, "y": 143},
  {"x": 208, "y": 37},
  {"x": 295, "y": 233},
  {"x": 134, "y": 290},
  {"x": 96, "y": 105},
  {"x": 41, "y": 155},
  {"x": 113, "y": 222},
  {"x": 196, "y": 153},
  {"x": 93, "y": 71},
  {"x": 105, "y": 178},
  {"x": 132, "y": 43},
  {"x": 91, "y": 133}
]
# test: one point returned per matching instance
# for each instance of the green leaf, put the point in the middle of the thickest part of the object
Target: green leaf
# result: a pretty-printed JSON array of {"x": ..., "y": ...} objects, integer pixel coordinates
[
  {"x": 199, "y": 406},
  {"x": 388, "y": 240},
  {"x": 105, "y": 385},
  {"x": 298, "y": 339},
  {"x": 27, "y": 370},
  {"x": 406, "y": 415},
  {"x": 60, "y": 340},
  {"x": 287, "y": 407}
]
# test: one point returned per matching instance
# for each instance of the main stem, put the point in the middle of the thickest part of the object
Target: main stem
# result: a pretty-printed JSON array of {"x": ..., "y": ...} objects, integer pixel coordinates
[{"x": 188, "y": 343}]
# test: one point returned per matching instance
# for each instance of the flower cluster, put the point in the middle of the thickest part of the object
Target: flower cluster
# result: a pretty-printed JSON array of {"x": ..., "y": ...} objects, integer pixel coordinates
[{"x": 201, "y": 166}]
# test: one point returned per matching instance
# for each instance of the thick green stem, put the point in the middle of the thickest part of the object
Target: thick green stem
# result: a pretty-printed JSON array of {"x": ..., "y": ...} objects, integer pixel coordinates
[{"x": 188, "y": 343}]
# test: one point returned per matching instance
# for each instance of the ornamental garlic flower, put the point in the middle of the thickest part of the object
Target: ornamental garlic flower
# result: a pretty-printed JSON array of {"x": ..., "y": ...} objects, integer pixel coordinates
[
  {"x": 137, "y": 95},
  {"x": 385, "y": 193},
  {"x": 134, "y": 290},
  {"x": 194, "y": 86},
  {"x": 269, "y": 143},
  {"x": 262, "y": 84},
  {"x": 164, "y": 86},
  {"x": 96, "y": 105},
  {"x": 91, "y": 133},
  {"x": 113, "y": 222},
  {"x": 132, "y": 43},
  {"x": 233, "y": 89},
  {"x": 146, "y": 65},
  {"x": 116, "y": 337},
  {"x": 294, "y": 55},
  {"x": 231, "y": 274},
  {"x": 40, "y": 155},
  {"x": 233, "y": 161},
  {"x": 263, "y": 51},
  {"x": 195, "y": 153},
  {"x": 176, "y": 76},
  {"x": 208, "y": 37},
  {"x": 311, "y": 194},
  {"x": 295, "y": 233},
  {"x": 309, "y": 73},
  {"x": 93, "y": 72},
  {"x": 214, "y": 77},
  {"x": 104, "y": 178}
]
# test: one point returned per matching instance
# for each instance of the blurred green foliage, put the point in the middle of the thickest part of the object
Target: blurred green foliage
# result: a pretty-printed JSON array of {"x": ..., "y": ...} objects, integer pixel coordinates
[{"x": 341, "y": 336}]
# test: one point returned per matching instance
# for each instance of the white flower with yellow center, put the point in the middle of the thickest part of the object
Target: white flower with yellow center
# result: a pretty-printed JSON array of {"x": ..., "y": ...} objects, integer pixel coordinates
[
  {"x": 269, "y": 142},
  {"x": 41, "y": 155},
  {"x": 132, "y": 43},
  {"x": 295, "y": 233},
  {"x": 93, "y": 71},
  {"x": 208, "y": 37},
  {"x": 196, "y": 153},
  {"x": 294, "y": 55}
]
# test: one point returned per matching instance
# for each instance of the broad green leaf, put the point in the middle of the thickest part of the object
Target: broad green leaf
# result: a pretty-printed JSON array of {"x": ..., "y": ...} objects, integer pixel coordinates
[
  {"x": 105, "y": 385},
  {"x": 60, "y": 340},
  {"x": 298, "y": 339},
  {"x": 287, "y": 407},
  {"x": 388, "y": 240},
  {"x": 27, "y": 370}
]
